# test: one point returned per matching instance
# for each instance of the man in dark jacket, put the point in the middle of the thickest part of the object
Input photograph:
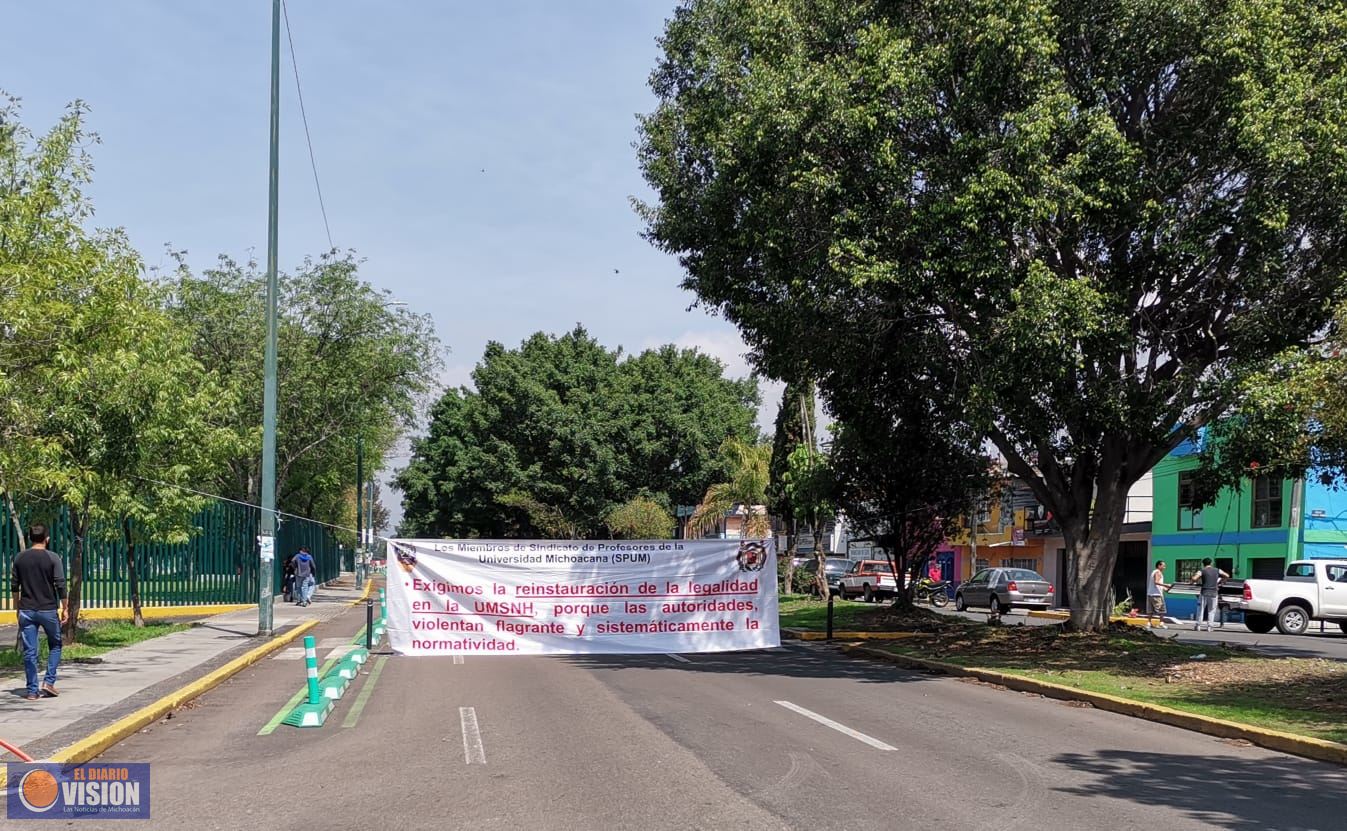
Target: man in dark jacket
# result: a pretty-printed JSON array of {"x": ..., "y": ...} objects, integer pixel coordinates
[
  {"x": 306, "y": 576},
  {"x": 38, "y": 584}
]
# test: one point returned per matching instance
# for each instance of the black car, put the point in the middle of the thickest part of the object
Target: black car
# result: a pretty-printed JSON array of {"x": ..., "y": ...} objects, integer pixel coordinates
[{"x": 833, "y": 570}]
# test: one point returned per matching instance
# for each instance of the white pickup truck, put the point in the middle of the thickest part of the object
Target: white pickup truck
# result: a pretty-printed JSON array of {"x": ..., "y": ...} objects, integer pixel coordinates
[{"x": 1311, "y": 590}]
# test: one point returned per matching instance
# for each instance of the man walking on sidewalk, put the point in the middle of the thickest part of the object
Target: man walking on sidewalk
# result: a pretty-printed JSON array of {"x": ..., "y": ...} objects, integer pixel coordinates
[
  {"x": 305, "y": 576},
  {"x": 38, "y": 584}
]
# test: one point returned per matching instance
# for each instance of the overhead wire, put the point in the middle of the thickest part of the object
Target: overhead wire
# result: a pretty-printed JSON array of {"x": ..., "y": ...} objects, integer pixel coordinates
[{"x": 303, "y": 116}]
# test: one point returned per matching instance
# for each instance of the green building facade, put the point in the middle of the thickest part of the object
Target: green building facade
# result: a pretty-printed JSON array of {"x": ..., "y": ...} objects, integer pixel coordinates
[{"x": 1251, "y": 531}]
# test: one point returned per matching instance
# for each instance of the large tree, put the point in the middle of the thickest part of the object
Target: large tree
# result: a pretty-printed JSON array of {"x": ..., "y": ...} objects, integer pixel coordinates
[
  {"x": 905, "y": 474},
  {"x": 1084, "y": 223},
  {"x": 105, "y": 411},
  {"x": 353, "y": 366},
  {"x": 561, "y": 431}
]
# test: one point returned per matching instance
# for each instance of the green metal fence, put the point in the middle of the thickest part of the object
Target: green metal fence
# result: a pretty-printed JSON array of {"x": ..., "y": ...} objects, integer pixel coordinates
[{"x": 219, "y": 564}]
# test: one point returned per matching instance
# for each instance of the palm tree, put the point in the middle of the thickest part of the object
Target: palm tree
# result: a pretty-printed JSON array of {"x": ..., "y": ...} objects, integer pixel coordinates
[{"x": 748, "y": 466}]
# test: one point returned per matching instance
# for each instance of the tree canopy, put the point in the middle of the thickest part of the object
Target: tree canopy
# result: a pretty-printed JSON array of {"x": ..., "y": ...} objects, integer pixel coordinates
[
  {"x": 126, "y": 400},
  {"x": 351, "y": 367},
  {"x": 561, "y": 431},
  {"x": 1082, "y": 224}
]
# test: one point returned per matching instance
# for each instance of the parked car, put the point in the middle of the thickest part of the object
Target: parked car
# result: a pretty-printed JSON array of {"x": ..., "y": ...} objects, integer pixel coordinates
[
  {"x": 833, "y": 570},
  {"x": 870, "y": 580},
  {"x": 1003, "y": 589},
  {"x": 1311, "y": 590}
]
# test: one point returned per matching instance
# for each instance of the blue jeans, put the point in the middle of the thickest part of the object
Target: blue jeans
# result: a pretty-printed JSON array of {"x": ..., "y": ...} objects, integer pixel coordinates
[
  {"x": 306, "y": 587},
  {"x": 29, "y": 621}
]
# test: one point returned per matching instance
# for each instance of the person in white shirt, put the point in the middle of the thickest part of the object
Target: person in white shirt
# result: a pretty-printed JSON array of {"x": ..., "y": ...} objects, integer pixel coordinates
[{"x": 1155, "y": 595}]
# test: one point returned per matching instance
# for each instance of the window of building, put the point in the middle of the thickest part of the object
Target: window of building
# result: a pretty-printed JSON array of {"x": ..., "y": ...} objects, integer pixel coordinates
[
  {"x": 1267, "y": 502},
  {"x": 1190, "y": 514},
  {"x": 981, "y": 564},
  {"x": 1018, "y": 562},
  {"x": 1184, "y": 570}
]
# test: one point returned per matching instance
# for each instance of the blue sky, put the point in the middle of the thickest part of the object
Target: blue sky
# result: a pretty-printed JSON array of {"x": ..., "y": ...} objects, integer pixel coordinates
[{"x": 479, "y": 155}]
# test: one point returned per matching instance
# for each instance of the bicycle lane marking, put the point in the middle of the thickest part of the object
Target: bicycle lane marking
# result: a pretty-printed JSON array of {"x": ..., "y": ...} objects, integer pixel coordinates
[
  {"x": 270, "y": 726},
  {"x": 363, "y": 698}
]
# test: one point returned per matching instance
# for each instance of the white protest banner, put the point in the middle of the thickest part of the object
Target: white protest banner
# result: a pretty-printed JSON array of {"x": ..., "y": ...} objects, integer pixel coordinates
[{"x": 561, "y": 597}]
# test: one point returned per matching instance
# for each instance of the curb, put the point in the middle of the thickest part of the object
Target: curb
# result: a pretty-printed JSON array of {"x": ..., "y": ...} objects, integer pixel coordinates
[
  {"x": 369, "y": 587},
  {"x": 1317, "y": 749},
  {"x": 100, "y": 740},
  {"x": 815, "y": 635},
  {"x": 164, "y": 612}
]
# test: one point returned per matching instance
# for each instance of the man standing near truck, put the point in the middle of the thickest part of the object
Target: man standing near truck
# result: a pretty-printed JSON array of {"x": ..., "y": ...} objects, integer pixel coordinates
[{"x": 1209, "y": 577}]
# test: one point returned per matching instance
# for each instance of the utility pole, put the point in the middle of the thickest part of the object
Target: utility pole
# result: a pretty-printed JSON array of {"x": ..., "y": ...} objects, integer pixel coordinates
[
  {"x": 359, "y": 494},
  {"x": 267, "y": 530}
]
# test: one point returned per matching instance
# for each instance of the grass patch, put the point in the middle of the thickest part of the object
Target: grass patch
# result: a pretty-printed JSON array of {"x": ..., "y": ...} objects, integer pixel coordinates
[
  {"x": 1307, "y": 696},
  {"x": 799, "y": 611},
  {"x": 93, "y": 640}
]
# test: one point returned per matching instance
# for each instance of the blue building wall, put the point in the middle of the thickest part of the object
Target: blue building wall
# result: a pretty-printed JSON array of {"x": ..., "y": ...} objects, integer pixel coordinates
[{"x": 1324, "y": 532}]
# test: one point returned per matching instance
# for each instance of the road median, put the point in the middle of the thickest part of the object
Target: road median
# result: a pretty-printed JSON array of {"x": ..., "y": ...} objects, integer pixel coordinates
[{"x": 1272, "y": 739}]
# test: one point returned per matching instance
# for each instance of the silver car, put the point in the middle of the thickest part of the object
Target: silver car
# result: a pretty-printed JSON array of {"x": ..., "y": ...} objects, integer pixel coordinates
[{"x": 1003, "y": 589}]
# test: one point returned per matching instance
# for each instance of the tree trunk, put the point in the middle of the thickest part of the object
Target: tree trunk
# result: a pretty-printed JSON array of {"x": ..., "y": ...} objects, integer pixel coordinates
[
  {"x": 14, "y": 518},
  {"x": 1091, "y": 552},
  {"x": 23, "y": 543},
  {"x": 132, "y": 574},
  {"x": 79, "y": 525},
  {"x": 791, "y": 544},
  {"x": 820, "y": 558}
]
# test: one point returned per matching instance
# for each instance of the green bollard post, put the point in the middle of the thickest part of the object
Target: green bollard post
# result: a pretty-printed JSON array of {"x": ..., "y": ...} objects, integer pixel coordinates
[
  {"x": 311, "y": 666},
  {"x": 383, "y": 605},
  {"x": 314, "y": 711}
]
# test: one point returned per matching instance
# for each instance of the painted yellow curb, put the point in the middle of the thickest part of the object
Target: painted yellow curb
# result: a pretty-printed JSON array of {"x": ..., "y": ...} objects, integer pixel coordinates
[
  {"x": 1310, "y": 748},
  {"x": 1141, "y": 621},
  {"x": 164, "y": 612},
  {"x": 99, "y": 741},
  {"x": 839, "y": 635},
  {"x": 369, "y": 587},
  {"x": 1049, "y": 615}
]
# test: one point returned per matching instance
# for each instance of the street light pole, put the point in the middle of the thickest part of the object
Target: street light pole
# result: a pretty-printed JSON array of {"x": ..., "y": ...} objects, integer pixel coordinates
[
  {"x": 359, "y": 495},
  {"x": 267, "y": 529}
]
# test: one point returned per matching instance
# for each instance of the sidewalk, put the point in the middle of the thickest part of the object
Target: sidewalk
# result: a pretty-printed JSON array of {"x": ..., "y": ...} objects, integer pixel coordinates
[{"x": 94, "y": 695}]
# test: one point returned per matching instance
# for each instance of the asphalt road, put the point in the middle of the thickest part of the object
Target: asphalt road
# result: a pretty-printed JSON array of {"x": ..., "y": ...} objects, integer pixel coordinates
[
  {"x": 800, "y": 737},
  {"x": 1330, "y": 643}
]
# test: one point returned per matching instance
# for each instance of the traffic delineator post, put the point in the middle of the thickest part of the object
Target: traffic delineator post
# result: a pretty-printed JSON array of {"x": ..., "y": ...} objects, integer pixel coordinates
[{"x": 313, "y": 712}]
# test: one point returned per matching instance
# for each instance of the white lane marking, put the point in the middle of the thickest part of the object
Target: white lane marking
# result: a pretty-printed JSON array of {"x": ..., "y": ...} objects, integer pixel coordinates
[
  {"x": 472, "y": 737},
  {"x": 458, "y": 659},
  {"x": 841, "y": 728},
  {"x": 291, "y": 654},
  {"x": 679, "y": 658}
]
